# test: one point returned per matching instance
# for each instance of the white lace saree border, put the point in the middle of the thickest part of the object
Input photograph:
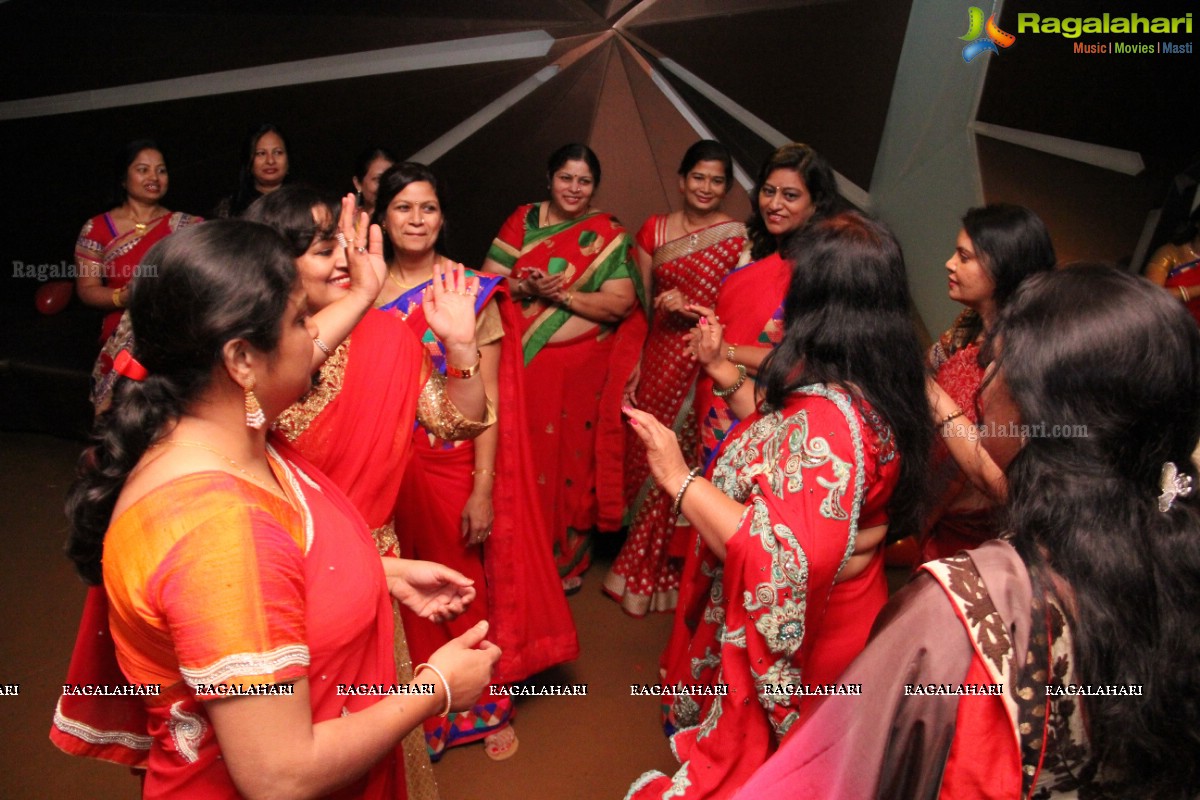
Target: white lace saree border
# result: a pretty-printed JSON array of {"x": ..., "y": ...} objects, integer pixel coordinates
[
  {"x": 243, "y": 664},
  {"x": 85, "y": 732}
]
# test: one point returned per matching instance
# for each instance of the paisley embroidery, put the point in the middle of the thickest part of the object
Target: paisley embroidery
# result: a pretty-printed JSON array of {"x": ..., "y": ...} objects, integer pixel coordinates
[
  {"x": 187, "y": 731},
  {"x": 679, "y": 784}
]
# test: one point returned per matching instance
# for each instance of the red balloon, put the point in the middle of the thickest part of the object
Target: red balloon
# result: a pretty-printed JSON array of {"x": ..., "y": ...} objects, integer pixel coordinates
[{"x": 53, "y": 297}]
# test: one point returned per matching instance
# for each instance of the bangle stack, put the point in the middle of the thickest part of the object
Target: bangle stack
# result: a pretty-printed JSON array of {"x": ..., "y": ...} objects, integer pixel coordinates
[
  {"x": 465, "y": 372},
  {"x": 730, "y": 354},
  {"x": 1183, "y": 293},
  {"x": 726, "y": 392},
  {"x": 324, "y": 348},
  {"x": 683, "y": 488},
  {"x": 445, "y": 683},
  {"x": 116, "y": 298}
]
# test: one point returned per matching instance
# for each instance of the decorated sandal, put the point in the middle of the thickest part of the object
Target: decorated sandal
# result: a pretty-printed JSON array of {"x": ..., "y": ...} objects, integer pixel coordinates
[
  {"x": 502, "y": 744},
  {"x": 572, "y": 585}
]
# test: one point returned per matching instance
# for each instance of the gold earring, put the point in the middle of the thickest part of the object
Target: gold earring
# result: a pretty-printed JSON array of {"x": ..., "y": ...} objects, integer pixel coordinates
[{"x": 255, "y": 418}]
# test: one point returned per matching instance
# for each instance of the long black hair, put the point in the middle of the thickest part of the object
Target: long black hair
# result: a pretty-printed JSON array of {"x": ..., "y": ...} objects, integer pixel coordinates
[
  {"x": 1109, "y": 390},
  {"x": 1011, "y": 243},
  {"x": 818, "y": 178},
  {"x": 223, "y": 280},
  {"x": 847, "y": 323},
  {"x": 392, "y": 183}
]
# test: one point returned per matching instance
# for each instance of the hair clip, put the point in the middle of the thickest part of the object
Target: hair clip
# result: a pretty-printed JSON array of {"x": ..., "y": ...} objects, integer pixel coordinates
[
  {"x": 125, "y": 364},
  {"x": 1173, "y": 484}
]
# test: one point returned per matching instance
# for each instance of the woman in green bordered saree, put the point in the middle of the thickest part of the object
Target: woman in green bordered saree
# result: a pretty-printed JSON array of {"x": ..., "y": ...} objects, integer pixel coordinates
[{"x": 570, "y": 269}]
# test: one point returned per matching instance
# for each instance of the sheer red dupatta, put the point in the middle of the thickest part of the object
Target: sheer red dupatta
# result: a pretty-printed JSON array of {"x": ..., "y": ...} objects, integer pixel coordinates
[
  {"x": 529, "y": 617},
  {"x": 380, "y": 384}
]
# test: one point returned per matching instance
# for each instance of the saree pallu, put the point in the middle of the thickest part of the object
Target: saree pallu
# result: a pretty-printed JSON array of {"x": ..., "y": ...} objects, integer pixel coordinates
[
  {"x": 750, "y": 306},
  {"x": 116, "y": 258},
  {"x": 975, "y": 620},
  {"x": 645, "y": 577},
  {"x": 949, "y": 529},
  {"x": 311, "y": 601},
  {"x": 587, "y": 251},
  {"x": 355, "y": 425},
  {"x": 811, "y": 475},
  {"x": 518, "y": 589}
]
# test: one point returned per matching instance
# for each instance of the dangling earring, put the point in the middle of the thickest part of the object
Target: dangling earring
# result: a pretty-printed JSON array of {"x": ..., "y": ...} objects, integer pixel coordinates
[{"x": 255, "y": 418}]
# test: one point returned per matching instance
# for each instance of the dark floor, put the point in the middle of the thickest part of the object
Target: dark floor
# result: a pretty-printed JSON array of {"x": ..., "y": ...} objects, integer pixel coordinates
[
  {"x": 571, "y": 747},
  {"x": 575, "y": 748}
]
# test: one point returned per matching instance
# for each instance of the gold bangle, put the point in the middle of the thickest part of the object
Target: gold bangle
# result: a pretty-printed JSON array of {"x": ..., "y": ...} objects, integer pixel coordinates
[
  {"x": 951, "y": 417},
  {"x": 446, "y": 683},
  {"x": 116, "y": 298},
  {"x": 683, "y": 488},
  {"x": 730, "y": 353},
  {"x": 465, "y": 372},
  {"x": 1184, "y": 293},
  {"x": 726, "y": 392},
  {"x": 567, "y": 300},
  {"x": 484, "y": 471}
]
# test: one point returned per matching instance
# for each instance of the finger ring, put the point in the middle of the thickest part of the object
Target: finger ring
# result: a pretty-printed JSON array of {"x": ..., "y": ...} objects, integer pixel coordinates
[
  {"x": 341, "y": 240},
  {"x": 360, "y": 249}
]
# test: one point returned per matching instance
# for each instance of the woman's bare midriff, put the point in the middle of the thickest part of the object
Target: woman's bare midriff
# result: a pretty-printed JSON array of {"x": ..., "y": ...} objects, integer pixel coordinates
[{"x": 865, "y": 545}]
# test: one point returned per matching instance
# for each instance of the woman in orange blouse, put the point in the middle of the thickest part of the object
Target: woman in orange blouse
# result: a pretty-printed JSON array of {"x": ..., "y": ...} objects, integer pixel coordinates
[{"x": 242, "y": 585}]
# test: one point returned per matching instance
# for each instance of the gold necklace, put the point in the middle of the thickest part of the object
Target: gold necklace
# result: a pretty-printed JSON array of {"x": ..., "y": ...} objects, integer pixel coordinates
[
  {"x": 404, "y": 285},
  {"x": 273, "y": 489},
  {"x": 138, "y": 226}
]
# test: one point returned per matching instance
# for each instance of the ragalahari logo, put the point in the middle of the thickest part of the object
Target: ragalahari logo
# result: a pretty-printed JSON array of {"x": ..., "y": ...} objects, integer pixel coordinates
[{"x": 991, "y": 39}]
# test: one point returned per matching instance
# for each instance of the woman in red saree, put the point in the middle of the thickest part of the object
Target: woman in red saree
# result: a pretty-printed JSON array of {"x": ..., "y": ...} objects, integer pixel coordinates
[
  {"x": 998, "y": 247},
  {"x": 486, "y": 523},
  {"x": 112, "y": 246},
  {"x": 796, "y": 186},
  {"x": 570, "y": 269},
  {"x": 355, "y": 423},
  {"x": 799, "y": 502},
  {"x": 683, "y": 257},
  {"x": 281, "y": 681},
  {"x": 1055, "y": 661}
]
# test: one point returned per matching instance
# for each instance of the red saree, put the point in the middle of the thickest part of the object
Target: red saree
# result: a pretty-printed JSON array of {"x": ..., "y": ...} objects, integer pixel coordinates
[
  {"x": 750, "y": 305},
  {"x": 355, "y": 426},
  {"x": 311, "y": 602},
  {"x": 811, "y": 474},
  {"x": 920, "y": 730},
  {"x": 962, "y": 518},
  {"x": 574, "y": 417},
  {"x": 645, "y": 577},
  {"x": 517, "y": 588},
  {"x": 116, "y": 258}
]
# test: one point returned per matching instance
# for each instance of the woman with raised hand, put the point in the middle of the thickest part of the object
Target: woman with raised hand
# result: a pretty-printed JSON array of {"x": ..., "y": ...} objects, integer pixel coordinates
[
  {"x": 281, "y": 682},
  {"x": 570, "y": 269},
  {"x": 683, "y": 257},
  {"x": 1060, "y": 659},
  {"x": 798, "y": 502},
  {"x": 486, "y": 523},
  {"x": 355, "y": 423},
  {"x": 999, "y": 246}
]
